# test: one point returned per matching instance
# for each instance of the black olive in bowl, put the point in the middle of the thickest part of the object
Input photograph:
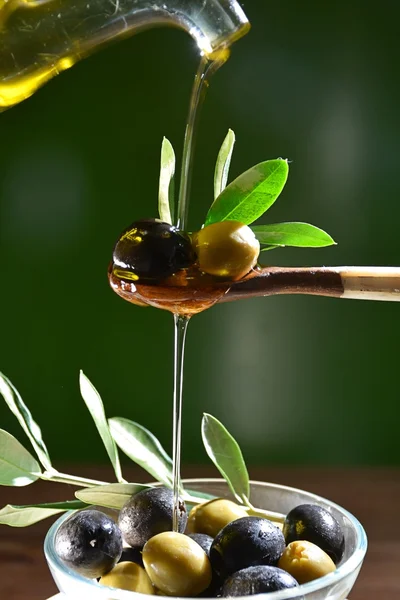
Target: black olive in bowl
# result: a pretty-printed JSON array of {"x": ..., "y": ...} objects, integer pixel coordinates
[
  {"x": 89, "y": 543},
  {"x": 317, "y": 525},
  {"x": 246, "y": 542},
  {"x": 205, "y": 541},
  {"x": 148, "y": 513},
  {"x": 257, "y": 580}
]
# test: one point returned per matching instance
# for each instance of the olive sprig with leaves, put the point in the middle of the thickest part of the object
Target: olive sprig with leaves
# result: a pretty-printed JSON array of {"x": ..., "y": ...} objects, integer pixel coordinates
[
  {"x": 18, "y": 467},
  {"x": 244, "y": 200},
  {"x": 225, "y": 249}
]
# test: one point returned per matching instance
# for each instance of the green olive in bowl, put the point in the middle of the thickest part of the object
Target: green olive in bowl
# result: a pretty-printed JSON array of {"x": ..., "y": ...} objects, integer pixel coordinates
[
  {"x": 176, "y": 564},
  {"x": 213, "y": 516},
  {"x": 305, "y": 561},
  {"x": 128, "y": 576}
]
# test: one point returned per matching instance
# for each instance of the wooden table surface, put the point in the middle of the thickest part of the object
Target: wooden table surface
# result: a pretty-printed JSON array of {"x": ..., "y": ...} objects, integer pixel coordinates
[{"x": 373, "y": 495}]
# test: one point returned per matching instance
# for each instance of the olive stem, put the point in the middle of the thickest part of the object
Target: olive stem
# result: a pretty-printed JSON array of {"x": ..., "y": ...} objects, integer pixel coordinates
[
  {"x": 265, "y": 514},
  {"x": 250, "y": 509},
  {"x": 192, "y": 499},
  {"x": 260, "y": 512},
  {"x": 70, "y": 479}
]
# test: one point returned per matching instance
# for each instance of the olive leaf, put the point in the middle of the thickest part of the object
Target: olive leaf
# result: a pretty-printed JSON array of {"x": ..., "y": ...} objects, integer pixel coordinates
[
  {"x": 23, "y": 516},
  {"x": 95, "y": 405},
  {"x": 226, "y": 455},
  {"x": 166, "y": 185},
  {"x": 114, "y": 495},
  {"x": 141, "y": 446},
  {"x": 223, "y": 163},
  {"x": 17, "y": 465},
  {"x": 21, "y": 411},
  {"x": 302, "y": 235},
  {"x": 251, "y": 194}
]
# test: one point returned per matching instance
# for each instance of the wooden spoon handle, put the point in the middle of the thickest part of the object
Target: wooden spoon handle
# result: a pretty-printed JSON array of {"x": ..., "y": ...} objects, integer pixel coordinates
[{"x": 362, "y": 283}]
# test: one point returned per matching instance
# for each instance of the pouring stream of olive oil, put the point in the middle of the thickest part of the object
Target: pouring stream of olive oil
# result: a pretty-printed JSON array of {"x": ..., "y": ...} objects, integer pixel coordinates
[{"x": 208, "y": 65}]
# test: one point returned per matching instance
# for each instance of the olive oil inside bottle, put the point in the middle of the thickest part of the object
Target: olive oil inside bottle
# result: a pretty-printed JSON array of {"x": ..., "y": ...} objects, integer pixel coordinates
[{"x": 41, "y": 38}]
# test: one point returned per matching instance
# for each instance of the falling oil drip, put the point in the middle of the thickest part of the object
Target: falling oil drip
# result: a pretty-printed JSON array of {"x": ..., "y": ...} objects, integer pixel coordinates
[
  {"x": 207, "y": 67},
  {"x": 180, "y": 329}
]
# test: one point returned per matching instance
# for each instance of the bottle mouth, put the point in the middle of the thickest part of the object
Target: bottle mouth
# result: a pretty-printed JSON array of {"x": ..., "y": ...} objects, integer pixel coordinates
[
  {"x": 216, "y": 47},
  {"x": 223, "y": 44}
]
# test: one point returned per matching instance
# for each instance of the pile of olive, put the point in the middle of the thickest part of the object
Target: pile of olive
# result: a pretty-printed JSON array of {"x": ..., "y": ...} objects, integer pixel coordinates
[
  {"x": 219, "y": 550},
  {"x": 150, "y": 251}
]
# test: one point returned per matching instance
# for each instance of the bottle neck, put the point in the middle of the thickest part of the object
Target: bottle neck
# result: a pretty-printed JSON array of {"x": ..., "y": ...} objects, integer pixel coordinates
[{"x": 40, "y": 39}]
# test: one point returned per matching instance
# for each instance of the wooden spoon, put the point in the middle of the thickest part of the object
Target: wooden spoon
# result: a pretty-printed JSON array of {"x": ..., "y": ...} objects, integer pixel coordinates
[
  {"x": 189, "y": 292},
  {"x": 360, "y": 283}
]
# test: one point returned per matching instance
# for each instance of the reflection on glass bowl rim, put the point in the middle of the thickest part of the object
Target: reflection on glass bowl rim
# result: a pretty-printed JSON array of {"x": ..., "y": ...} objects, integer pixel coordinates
[{"x": 335, "y": 586}]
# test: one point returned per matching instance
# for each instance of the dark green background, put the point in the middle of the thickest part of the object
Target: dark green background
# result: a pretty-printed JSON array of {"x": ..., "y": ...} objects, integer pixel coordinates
[{"x": 296, "y": 379}]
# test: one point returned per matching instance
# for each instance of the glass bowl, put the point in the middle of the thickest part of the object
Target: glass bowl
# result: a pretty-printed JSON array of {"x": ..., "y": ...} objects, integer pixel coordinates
[{"x": 278, "y": 498}]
